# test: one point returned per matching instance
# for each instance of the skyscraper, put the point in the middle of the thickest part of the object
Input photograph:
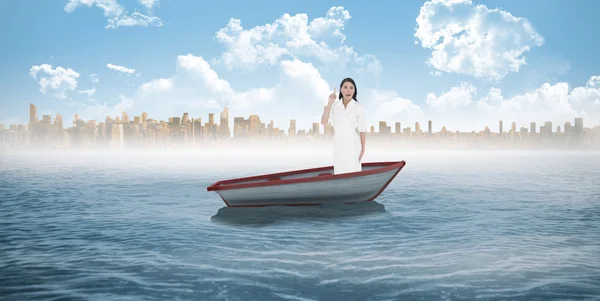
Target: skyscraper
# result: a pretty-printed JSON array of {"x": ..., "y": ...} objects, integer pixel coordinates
[{"x": 32, "y": 113}]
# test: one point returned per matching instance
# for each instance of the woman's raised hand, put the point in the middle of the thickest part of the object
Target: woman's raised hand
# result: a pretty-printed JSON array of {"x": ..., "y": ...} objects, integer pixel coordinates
[{"x": 332, "y": 96}]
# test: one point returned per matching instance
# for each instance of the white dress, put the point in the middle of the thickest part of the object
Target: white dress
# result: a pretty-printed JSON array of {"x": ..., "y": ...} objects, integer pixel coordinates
[{"x": 348, "y": 122}]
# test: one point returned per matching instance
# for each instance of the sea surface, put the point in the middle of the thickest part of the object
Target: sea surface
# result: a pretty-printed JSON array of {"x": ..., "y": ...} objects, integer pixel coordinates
[{"x": 454, "y": 225}]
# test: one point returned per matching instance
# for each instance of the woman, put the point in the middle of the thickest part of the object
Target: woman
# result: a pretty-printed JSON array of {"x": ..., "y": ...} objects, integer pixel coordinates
[{"x": 350, "y": 128}]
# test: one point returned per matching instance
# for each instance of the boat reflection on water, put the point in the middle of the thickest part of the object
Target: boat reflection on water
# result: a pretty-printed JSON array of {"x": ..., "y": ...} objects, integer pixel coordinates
[{"x": 260, "y": 216}]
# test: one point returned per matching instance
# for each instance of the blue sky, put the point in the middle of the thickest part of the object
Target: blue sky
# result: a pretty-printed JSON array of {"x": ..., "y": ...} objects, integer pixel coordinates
[{"x": 188, "y": 56}]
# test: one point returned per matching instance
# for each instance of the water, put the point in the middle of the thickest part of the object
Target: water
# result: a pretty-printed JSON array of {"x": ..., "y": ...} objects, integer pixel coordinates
[{"x": 453, "y": 225}]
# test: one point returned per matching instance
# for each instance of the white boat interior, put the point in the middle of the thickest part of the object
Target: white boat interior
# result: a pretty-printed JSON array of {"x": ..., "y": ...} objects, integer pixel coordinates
[{"x": 293, "y": 175}]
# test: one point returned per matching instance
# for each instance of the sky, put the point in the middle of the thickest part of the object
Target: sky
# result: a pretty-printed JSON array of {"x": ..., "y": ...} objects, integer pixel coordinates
[{"x": 462, "y": 64}]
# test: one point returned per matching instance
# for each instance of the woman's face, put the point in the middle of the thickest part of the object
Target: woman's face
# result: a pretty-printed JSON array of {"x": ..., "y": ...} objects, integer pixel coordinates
[{"x": 347, "y": 90}]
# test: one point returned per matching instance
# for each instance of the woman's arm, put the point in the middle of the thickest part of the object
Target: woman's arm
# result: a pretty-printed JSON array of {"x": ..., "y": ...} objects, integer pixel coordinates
[
  {"x": 326, "y": 114},
  {"x": 363, "y": 140},
  {"x": 362, "y": 130}
]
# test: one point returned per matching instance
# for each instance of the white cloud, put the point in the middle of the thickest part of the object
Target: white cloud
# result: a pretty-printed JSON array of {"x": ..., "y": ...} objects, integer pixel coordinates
[
  {"x": 302, "y": 92},
  {"x": 111, "y": 8},
  {"x": 99, "y": 112},
  {"x": 465, "y": 108},
  {"x": 197, "y": 89},
  {"x": 594, "y": 82},
  {"x": 456, "y": 98},
  {"x": 116, "y": 14},
  {"x": 89, "y": 92},
  {"x": 135, "y": 19},
  {"x": 388, "y": 106},
  {"x": 94, "y": 78},
  {"x": 292, "y": 37},
  {"x": 149, "y": 3},
  {"x": 121, "y": 69},
  {"x": 473, "y": 39},
  {"x": 461, "y": 109},
  {"x": 55, "y": 82},
  {"x": 588, "y": 97}
]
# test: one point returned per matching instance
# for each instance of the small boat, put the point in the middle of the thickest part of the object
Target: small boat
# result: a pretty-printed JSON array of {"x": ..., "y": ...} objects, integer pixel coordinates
[{"x": 308, "y": 187}]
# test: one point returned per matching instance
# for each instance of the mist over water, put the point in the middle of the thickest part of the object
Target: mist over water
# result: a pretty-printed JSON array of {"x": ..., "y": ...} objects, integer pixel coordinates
[{"x": 139, "y": 224}]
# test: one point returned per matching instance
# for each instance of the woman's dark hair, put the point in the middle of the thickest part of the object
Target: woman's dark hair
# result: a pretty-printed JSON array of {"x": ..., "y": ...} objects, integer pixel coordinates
[{"x": 353, "y": 83}]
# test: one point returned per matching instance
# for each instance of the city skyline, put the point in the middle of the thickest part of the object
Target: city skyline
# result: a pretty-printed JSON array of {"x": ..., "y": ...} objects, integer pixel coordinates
[
  {"x": 224, "y": 118},
  {"x": 143, "y": 131},
  {"x": 462, "y": 70}
]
